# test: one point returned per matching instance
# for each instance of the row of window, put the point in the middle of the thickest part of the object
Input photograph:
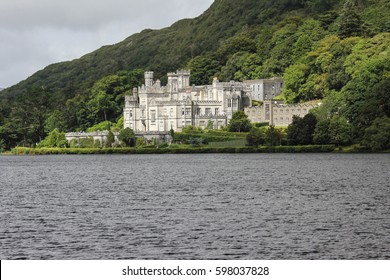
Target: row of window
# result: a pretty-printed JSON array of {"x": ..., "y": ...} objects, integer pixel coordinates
[
  {"x": 199, "y": 112},
  {"x": 282, "y": 120},
  {"x": 287, "y": 110},
  {"x": 202, "y": 124}
]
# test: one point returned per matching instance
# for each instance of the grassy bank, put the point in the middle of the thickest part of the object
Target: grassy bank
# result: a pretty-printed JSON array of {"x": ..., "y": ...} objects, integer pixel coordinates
[{"x": 192, "y": 150}]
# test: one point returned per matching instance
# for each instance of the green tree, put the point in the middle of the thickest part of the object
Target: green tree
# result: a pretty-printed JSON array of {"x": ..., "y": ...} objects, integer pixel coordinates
[
  {"x": 210, "y": 125},
  {"x": 102, "y": 126},
  {"x": 103, "y": 106},
  {"x": 127, "y": 136},
  {"x": 301, "y": 130},
  {"x": 55, "y": 120},
  {"x": 350, "y": 21},
  {"x": 255, "y": 137},
  {"x": 273, "y": 136},
  {"x": 321, "y": 133},
  {"x": 203, "y": 69},
  {"x": 110, "y": 139},
  {"x": 320, "y": 5},
  {"x": 140, "y": 142},
  {"x": 367, "y": 94},
  {"x": 54, "y": 139},
  {"x": 239, "y": 122},
  {"x": 294, "y": 77},
  {"x": 377, "y": 136},
  {"x": 339, "y": 131},
  {"x": 2, "y": 145},
  {"x": 335, "y": 130},
  {"x": 29, "y": 116}
]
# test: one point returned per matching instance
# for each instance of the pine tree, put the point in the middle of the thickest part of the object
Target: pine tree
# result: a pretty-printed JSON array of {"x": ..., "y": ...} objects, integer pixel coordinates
[{"x": 350, "y": 21}]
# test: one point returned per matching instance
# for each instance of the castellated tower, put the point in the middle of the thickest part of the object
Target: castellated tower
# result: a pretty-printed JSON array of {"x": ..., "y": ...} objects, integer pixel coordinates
[
  {"x": 183, "y": 78},
  {"x": 178, "y": 80},
  {"x": 149, "y": 79},
  {"x": 172, "y": 82}
]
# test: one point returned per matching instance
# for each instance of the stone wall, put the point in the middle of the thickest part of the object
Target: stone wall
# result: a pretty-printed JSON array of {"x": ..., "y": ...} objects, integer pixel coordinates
[{"x": 277, "y": 113}]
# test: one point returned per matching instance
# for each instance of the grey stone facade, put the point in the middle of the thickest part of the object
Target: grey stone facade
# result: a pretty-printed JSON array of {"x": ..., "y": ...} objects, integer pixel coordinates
[
  {"x": 98, "y": 135},
  {"x": 277, "y": 113},
  {"x": 263, "y": 89},
  {"x": 153, "y": 110},
  {"x": 157, "y": 108}
]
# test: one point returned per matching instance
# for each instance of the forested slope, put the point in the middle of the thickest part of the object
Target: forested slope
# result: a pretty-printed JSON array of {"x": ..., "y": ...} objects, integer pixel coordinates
[{"x": 332, "y": 49}]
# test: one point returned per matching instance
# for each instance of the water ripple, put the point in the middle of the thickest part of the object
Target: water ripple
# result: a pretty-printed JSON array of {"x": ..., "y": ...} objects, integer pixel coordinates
[{"x": 270, "y": 206}]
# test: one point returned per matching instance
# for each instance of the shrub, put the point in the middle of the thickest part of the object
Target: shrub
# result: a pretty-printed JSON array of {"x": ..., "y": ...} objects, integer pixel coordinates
[
  {"x": 140, "y": 142},
  {"x": 127, "y": 136}
]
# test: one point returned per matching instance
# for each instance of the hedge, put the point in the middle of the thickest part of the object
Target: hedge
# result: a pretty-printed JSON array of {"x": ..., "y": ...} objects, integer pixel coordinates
[
  {"x": 206, "y": 138},
  {"x": 190, "y": 150}
]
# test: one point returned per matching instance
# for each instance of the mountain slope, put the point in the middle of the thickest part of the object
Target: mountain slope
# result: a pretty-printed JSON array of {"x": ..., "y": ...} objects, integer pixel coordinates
[
  {"x": 315, "y": 44},
  {"x": 161, "y": 50}
]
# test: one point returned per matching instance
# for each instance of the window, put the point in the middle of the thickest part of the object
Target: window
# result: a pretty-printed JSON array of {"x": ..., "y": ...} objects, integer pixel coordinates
[
  {"x": 202, "y": 123},
  {"x": 182, "y": 111},
  {"x": 216, "y": 111},
  {"x": 153, "y": 115},
  {"x": 267, "y": 112},
  {"x": 208, "y": 111},
  {"x": 199, "y": 111},
  {"x": 188, "y": 111},
  {"x": 143, "y": 113},
  {"x": 131, "y": 114},
  {"x": 171, "y": 112},
  {"x": 229, "y": 103}
]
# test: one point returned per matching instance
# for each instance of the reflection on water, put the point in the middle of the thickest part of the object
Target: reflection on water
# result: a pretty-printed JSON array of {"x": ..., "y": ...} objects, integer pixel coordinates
[{"x": 256, "y": 206}]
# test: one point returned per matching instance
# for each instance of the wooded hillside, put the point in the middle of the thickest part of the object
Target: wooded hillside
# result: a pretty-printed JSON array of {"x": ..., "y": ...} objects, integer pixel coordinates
[{"x": 332, "y": 49}]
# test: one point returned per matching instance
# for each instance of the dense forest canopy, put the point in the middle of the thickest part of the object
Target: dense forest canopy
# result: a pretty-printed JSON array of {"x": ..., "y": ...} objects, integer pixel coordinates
[{"x": 335, "y": 50}]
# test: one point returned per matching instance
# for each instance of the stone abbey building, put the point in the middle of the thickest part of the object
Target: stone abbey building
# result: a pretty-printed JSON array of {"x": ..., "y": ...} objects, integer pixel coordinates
[
  {"x": 154, "y": 108},
  {"x": 157, "y": 108}
]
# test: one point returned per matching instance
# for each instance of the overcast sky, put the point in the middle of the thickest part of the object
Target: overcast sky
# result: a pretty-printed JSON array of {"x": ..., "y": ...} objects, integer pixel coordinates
[{"x": 36, "y": 33}]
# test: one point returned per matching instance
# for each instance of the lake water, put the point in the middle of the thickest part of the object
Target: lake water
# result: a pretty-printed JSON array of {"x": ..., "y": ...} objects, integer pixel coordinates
[{"x": 222, "y": 206}]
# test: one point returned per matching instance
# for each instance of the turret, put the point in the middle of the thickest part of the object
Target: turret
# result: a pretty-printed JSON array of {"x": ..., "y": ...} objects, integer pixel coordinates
[
  {"x": 149, "y": 79},
  {"x": 183, "y": 77}
]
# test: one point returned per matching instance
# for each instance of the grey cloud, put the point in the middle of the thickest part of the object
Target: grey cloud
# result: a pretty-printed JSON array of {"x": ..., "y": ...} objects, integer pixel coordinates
[
  {"x": 89, "y": 14},
  {"x": 35, "y": 33}
]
